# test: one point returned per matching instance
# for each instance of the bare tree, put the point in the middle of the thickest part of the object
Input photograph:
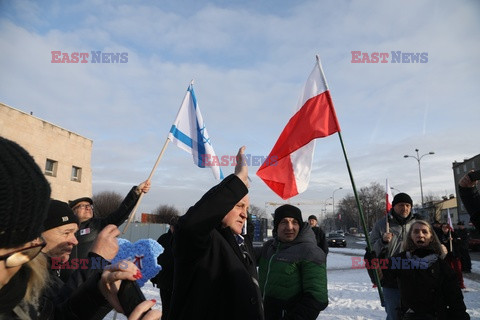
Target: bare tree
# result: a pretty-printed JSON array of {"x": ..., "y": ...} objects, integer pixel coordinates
[
  {"x": 372, "y": 200},
  {"x": 165, "y": 214},
  {"x": 106, "y": 202}
]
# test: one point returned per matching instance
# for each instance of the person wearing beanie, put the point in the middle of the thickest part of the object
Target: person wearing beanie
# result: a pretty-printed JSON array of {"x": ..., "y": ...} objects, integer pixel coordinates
[
  {"x": 292, "y": 269},
  {"x": 59, "y": 231},
  {"x": 90, "y": 226},
  {"x": 387, "y": 244},
  {"x": 319, "y": 233}
]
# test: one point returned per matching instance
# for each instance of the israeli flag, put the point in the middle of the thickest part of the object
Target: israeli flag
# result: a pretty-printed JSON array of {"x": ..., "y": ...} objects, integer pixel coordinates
[{"x": 189, "y": 133}]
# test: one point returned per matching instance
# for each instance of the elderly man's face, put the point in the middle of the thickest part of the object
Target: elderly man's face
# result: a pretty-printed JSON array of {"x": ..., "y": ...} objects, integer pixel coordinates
[
  {"x": 236, "y": 218},
  {"x": 60, "y": 241}
]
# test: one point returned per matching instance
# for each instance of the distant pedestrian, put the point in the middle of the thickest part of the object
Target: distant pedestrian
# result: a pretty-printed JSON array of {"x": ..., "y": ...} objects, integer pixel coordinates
[{"x": 319, "y": 233}]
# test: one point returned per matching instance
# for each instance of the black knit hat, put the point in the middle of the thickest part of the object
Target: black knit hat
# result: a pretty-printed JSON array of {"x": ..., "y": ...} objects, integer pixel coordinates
[
  {"x": 24, "y": 196},
  {"x": 402, "y": 197},
  {"x": 59, "y": 214},
  {"x": 312, "y": 217},
  {"x": 286, "y": 211},
  {"x": 73, "y": 203}
]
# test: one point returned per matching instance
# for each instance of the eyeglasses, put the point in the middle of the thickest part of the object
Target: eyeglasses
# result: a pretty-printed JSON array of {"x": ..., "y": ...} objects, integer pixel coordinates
[
  {"x": 84, "y": 206},
  {"x": 21, "y": 256}
]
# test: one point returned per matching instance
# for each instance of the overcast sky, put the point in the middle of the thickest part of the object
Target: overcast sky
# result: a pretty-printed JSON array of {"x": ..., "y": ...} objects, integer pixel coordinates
[{"x": 250, "y": 60}]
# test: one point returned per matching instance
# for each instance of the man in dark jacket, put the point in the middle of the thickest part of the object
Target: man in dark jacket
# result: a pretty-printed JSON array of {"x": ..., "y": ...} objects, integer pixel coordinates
[
  {"x": 319, "y": 234},
  {"x": 90, "y": 226},
  {"x": 462, "y": 236},
  {"x": 215, "y": 276},
  {"x": 471, "y": 198},
  {"x": 292, "y": 269},
  {"x": 387, "y": 244},
  {"x": 164, "y": 279}
]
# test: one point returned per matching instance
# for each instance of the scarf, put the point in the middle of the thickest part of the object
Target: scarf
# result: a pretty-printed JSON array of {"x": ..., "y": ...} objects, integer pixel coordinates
[{"x": 13, "y": 292}]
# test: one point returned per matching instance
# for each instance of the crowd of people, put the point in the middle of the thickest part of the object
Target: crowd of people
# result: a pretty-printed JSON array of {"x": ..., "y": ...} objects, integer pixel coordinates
[{"x": 210, "y": 268}]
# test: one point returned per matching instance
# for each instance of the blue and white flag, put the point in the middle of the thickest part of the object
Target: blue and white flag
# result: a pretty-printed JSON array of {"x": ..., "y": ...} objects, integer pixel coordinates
[{"x": 189, "y": 133}]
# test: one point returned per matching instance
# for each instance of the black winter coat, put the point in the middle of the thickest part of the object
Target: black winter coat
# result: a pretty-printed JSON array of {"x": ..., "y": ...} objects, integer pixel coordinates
[
  {"x": 432, "y": 290},
  {"x": 213, "y": 280},
  {"x": 471, "y": 200}
]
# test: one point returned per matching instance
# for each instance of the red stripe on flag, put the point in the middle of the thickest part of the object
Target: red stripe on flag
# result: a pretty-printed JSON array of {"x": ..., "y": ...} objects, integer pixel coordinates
[{"x": 315, "y": 119}]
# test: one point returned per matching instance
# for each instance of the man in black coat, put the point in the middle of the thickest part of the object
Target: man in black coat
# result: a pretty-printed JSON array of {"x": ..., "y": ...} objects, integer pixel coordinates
[
  {"x": 215, "y": 273},
  {"x": 462, "y": 236},
  {"x": 319, "y": 234},
  {"x": 471, "y": 198},
  {"x": 164, "y": 279}
]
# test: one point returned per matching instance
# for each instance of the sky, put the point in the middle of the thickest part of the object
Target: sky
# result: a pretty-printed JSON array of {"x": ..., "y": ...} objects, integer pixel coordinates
[{"x": 249, "y": 61}]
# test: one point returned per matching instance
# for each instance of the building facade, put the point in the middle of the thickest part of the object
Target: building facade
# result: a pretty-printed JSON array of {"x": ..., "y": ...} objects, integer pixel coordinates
[
  {"x": 459, "y": 170},
  {"x": 63, "y": 156}
]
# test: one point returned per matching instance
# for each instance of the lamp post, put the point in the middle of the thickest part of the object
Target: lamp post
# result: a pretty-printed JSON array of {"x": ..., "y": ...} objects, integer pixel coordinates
[
  {"x": 418, "y": 158},
  {"x": 392, "y": 188},
  {"x": 333, "y": 200}
]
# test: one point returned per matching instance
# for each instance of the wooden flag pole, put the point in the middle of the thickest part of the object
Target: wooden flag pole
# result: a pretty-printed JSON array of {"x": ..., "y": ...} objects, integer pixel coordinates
[{"x": 132, "y": 214}]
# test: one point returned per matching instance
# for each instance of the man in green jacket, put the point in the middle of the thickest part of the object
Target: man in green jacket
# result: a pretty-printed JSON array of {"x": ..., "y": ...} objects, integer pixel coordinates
[{"x": 292, "y": 269}]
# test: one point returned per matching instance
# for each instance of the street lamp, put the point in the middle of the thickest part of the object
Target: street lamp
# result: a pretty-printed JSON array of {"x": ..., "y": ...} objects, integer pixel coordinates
[
  {"x": 392, "y": 188},
  {"x": 333, "y": 200},
  {"x": 418, "y": 158}
]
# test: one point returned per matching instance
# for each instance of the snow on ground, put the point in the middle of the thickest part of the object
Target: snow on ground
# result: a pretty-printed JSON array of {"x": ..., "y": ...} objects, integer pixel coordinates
[{"x": 350, "y": 291}]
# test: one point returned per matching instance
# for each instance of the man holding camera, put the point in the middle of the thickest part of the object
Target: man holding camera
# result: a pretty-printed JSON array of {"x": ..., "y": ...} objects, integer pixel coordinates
[{"x": 470, "y": 197}]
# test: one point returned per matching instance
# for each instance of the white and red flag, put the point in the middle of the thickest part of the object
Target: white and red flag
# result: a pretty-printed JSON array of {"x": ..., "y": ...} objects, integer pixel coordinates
[
  {"x": 449, "y": 220},
  {"x": 388, "y": 197},
  {"x": 287, "y": 168}
]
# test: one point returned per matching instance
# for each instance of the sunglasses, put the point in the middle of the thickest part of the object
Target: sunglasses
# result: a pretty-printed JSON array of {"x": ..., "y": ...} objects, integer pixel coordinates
[{"x": 21, "y": 256}]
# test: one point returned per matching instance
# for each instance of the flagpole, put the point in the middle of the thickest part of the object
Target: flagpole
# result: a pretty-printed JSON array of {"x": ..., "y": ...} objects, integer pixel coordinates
[
  {"x": 367, "y": 238},
  {"x": 387, "y": 224},
  {"x": 132, "y": 214}
]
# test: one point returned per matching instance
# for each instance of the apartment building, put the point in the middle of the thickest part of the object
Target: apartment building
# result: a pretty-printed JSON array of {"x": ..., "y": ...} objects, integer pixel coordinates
[{"x": 63, "y": 156}]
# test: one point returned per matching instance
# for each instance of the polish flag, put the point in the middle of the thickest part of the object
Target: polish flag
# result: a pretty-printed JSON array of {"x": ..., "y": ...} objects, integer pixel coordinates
[
  {"x": 288, "y": 166},
  {"x": 449, "y": 219},
  {"x": 388, "y": 197}
]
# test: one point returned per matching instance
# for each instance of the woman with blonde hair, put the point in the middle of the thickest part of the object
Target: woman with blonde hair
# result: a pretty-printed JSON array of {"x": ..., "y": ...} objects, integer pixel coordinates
[{"x": 428, "y": 286}]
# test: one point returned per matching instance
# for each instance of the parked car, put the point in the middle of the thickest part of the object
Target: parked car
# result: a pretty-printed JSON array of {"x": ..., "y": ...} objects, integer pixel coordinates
[{"x": 336, "y": 239}]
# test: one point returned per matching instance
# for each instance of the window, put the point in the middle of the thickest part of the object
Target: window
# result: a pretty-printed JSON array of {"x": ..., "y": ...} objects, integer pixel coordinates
[
  {"x": 76, "y": 174},
  {"x": 51, "y": 167}
]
